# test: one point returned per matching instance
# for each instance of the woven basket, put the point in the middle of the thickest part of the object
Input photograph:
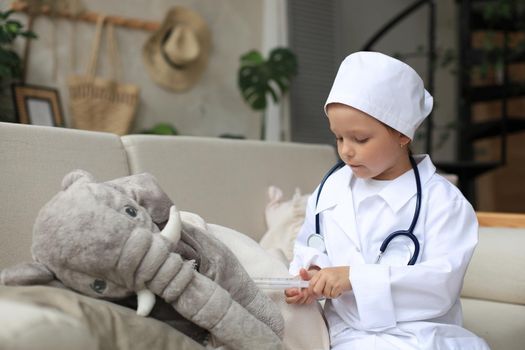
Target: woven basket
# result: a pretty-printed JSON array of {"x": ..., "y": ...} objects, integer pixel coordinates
[{"x": 102, "y": 104}]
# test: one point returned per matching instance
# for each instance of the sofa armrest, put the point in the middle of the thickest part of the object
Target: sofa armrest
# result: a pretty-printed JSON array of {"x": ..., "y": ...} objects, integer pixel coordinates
[
  {"x": 500, "y": 324},
  {"x": 68, "y": 320},
  {"x": 493, "y": 295},
  {"x": 493, "y": 219},
  {"x": 30, "y": 326}
]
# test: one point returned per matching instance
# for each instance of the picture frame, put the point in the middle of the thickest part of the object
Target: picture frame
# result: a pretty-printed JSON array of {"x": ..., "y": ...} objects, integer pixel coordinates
[{"x": 37, "y": 105}]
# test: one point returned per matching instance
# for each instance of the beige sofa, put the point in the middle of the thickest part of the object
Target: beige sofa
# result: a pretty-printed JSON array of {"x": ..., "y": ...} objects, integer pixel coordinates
[{"x": 226, "y": 183}]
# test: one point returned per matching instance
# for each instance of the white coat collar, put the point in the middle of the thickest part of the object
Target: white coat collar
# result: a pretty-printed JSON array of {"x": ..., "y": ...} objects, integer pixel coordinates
[
  {"x": 395, "y": 198},
  {"x": 337, "y": 186}
]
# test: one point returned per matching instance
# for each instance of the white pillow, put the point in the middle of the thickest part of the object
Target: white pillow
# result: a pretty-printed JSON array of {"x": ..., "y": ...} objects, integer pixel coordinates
[
  {"x": 304, "y": 324},
  {"x": 284, "y": 220}
]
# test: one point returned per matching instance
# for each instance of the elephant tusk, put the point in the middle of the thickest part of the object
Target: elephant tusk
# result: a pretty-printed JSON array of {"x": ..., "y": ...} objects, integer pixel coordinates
[
  {"x": 173, "y": 227},
  {"x": 145, "y": 302}
]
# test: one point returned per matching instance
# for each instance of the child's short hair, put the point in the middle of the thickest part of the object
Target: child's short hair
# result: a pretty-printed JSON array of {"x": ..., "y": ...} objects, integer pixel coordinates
[{"x": 383, "y": 87}]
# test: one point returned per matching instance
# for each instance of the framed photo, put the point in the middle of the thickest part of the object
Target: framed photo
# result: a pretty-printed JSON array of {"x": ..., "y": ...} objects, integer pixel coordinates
[{"x": 37, "y": 105}]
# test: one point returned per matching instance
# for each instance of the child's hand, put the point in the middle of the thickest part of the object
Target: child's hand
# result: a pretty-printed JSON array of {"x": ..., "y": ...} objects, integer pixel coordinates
[
  {"x": 330, "y": 282},
  {"x": 301, "y": 296}
]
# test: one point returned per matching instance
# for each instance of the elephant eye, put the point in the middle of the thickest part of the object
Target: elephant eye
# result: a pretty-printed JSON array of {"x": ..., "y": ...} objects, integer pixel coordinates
[
  {"x": 98, "y": 286},
  {"x": 131, "y": 211}
]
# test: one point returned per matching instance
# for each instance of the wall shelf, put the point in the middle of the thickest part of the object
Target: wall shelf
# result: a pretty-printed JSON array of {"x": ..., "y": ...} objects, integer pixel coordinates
[{"x": 87, "y": 16}]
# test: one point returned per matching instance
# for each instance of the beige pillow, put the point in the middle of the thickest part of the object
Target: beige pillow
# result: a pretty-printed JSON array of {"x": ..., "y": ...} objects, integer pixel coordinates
[
  {"x": 284, "y": 219},
  {"x": 304, "y": 324}
]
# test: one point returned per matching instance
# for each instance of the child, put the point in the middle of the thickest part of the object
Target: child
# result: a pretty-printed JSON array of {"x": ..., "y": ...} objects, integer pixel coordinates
[{"x": 374, "y": 108}]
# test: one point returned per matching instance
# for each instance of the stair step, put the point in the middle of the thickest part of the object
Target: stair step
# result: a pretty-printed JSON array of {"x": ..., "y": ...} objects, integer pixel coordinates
[
  {"x": 466, "y": 170},
  {"x": 494, "y": 92},
  {"x": 494, "y": 128}
]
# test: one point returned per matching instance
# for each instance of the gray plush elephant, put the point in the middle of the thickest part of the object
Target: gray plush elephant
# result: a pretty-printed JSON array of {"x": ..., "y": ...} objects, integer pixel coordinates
[{"x": 105, "y": 240}]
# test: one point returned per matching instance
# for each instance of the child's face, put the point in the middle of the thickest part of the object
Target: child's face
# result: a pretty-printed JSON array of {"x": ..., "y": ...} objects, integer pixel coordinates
[{"x": 369, "y": 147}]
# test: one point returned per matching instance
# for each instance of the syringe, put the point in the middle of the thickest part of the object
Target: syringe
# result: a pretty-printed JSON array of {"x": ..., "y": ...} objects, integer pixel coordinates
[{"x": 280, "y": 283}]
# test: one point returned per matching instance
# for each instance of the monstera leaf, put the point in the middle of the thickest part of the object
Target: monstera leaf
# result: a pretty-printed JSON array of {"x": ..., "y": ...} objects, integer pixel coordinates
[{"x": 259, "y": 77}]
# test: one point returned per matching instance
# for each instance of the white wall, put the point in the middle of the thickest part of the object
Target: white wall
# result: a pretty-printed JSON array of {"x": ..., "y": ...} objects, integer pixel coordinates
[
  {"x": 361, "y": 19},
  {"x": 212, "y": 107}
]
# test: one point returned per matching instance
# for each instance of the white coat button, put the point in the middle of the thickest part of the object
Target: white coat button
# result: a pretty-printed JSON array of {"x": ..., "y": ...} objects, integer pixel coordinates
[{"x": 357, "y": 250}]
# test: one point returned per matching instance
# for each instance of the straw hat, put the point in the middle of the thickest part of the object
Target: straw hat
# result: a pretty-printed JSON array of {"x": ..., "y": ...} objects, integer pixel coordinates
[{"x": 177, "y": 53}]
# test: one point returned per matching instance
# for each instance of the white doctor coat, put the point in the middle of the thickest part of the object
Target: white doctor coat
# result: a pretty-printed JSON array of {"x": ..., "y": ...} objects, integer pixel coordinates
[{"x": 392, "y": 305}]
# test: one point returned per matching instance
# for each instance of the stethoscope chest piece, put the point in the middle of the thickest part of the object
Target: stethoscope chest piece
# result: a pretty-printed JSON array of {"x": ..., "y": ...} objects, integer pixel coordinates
[{"x": 316, "y": 241}]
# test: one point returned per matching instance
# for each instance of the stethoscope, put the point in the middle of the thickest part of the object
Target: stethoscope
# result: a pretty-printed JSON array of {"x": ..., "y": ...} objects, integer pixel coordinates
[{"x": 316, "y": 240}]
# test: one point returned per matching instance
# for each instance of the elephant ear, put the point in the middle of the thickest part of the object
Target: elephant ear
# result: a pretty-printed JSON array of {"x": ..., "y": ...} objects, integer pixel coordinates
[
  {"x": 76, "y": 176},
  {"x": 28, "y": 273},
  {"x": 145, "y": 190}
]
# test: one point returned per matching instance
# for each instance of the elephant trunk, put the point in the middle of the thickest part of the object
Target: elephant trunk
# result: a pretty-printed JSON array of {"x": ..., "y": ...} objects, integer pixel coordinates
[
  {"x": 167, "y": 280},
  {"x": 219, "y": 264},
  {"x": 142, "y": 256},
  {"x": 197, "y": 298},
  {"x": 148, "y": 267},
  {"x": 208, "y": 305}
]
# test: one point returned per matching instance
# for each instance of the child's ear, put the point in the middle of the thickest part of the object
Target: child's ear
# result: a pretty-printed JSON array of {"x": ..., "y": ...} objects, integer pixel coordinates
[
  {"x": 404, "y": 140},
  {"x": 28, "y": 273}
]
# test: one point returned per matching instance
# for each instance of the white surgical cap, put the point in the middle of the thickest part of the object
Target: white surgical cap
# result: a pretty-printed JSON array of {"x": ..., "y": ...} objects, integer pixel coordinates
[{"x": 383, "y": 87}]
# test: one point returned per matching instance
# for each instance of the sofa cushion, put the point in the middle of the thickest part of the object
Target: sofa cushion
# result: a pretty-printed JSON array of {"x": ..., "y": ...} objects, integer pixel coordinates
[
  {"x": 485, "y": 279},
  {"x": 500, "y": 324},
  {"x": 219, "y": 178},
  {"x": 34, "y": 159}
]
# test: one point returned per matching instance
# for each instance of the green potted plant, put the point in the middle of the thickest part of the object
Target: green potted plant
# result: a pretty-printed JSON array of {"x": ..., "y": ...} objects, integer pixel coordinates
[
  {"x": 161, "y": 129},
  {"x": 10, "y": 62},
  {"x": 259, "y": 78}
]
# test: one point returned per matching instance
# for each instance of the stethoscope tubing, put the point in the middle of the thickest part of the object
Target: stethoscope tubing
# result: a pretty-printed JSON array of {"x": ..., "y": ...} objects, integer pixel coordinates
[
  {"x": 409, "y": 233},
  {"x": 332, "y": 170}
]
